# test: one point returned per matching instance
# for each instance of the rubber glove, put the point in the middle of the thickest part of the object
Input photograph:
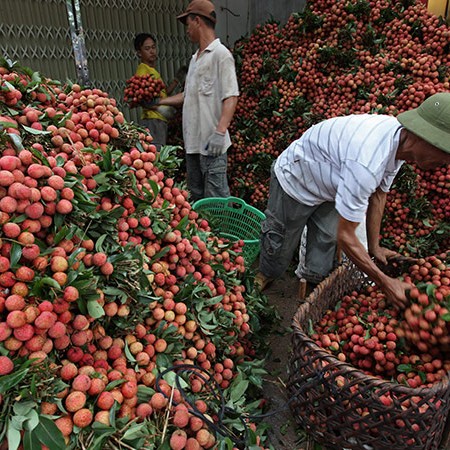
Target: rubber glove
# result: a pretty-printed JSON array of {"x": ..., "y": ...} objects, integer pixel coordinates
[{"x": 216, "y": 144}]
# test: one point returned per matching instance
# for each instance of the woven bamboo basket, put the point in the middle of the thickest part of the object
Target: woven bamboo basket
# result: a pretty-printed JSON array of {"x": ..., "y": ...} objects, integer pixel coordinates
[{"x": 339, "y": 405}]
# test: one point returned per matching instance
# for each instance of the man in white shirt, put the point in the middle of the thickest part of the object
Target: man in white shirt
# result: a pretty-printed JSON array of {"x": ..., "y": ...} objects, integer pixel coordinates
[
  {"x": 337, "y": 174},
  {"x": 209, "y": 101}
]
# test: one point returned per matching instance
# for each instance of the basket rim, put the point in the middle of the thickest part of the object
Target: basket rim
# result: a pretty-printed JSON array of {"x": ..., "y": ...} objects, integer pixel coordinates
[
  {"x": 300, "y": 333},
  {"x": 224, "y": 200}
]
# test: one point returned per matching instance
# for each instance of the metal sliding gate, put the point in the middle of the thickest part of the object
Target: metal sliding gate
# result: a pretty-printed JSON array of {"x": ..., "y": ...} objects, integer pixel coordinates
[{"x": 91, "y": 41}]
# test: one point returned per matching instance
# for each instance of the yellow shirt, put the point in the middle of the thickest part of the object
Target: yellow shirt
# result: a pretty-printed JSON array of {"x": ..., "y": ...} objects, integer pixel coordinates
[{"x": 144, "y": 69}]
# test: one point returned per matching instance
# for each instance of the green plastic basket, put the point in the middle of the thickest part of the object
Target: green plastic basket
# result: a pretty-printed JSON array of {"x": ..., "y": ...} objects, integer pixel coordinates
[{"x": 234, "y": 219}]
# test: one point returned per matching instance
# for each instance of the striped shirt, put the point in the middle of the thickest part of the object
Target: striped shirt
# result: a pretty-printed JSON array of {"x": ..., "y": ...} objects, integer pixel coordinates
[{"x": 343, "y": 159}]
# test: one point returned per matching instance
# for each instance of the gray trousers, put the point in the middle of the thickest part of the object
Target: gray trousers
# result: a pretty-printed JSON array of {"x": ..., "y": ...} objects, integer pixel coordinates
[
  {"x": 282, "y": 229},
  {"x": 207, "y": 176},
  {"x": 158, "y": 130}
]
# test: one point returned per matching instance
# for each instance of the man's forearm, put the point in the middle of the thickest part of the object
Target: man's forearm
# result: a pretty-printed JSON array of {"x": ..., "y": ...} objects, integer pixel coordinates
[
  {"x": 174, "y": 100},
  {"x": 228, "y": 108},
  {"x": 355, "y": 251},
  {"x": 374, "y": 217}
]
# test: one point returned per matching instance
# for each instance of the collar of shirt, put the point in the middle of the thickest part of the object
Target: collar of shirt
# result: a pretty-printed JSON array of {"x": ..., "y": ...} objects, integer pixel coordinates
[{"x": 214, "y": 44}]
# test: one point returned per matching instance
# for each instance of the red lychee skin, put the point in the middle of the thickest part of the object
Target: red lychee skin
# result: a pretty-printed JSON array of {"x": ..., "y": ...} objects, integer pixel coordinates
[
  {"x": 36, "y": 171},
  {"x": 10, "y": 230},
  {"x": 65, "y": 425},
  {"x": 9, "y": 162},
  {"x": 83, "y": 418},
  {"x": 75, "y": 401},
  {"x": 4, "y": 264},
  {"x": 35, "y": 210},
  {"x": 59, "y": 264},
  {"x": 7, "y": 280},
  {"x": 57, "y": 330},
  {"x": 107, "y": 268},
  {"x": 203, "y": 437},
  {"x": 64, "y": 206},
  {"x": 158, "y": 401},
  {"x": 178, "y": 440},
  {"x": 192, "y": 444},
  {"x": 16, "y": 319},
  {"x": 6, "y": 178},
  {"x": 5, "y": 331},
  {"x": 25, "y": 274},
  {"x": 97, "y": 386},
  {"x": 62, "y": 342},
  {"x": 6, "y": 365},
  {"x": 71, "y": 294},
  {"x": 56, "y": 182},
  {"x": 14, "y": 303},
  {"x": 36, "y": 343},
  {"x": 45, "y": 320},
  {"x": 31, "y": 252},
  {"x": 98, "y": 259},
  {"x": 80, "y": 322},
  {"x": 81, "y": 383},
  {"x": 19, "y": 191},
  {"x": 68, "y": 371},
  {"x": 181, "y": 418},
  {"x": 144, "y": 410},
  {"x": 105, "y": 400},
  {"x": 8, "y": 204},
  {"x": 24, "y": 333}
]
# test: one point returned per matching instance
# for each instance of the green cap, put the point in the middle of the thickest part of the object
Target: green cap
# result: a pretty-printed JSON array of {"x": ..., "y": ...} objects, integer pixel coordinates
[{"x": 430, "y": 121}]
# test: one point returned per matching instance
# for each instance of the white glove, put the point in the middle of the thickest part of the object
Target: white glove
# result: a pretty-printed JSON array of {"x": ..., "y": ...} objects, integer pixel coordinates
[{"x": 216, "y": 144}]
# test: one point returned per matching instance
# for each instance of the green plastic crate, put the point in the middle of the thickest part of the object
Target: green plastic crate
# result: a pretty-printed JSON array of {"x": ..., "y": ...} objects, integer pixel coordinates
[{"x": 234, "y": 219}]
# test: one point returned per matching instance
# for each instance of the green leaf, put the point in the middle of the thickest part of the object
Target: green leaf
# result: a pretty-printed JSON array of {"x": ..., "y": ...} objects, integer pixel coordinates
[
  {"x": 23, "y": 408},
  {"x": 128, "y": 354},
  {"x": 144, "y": 393},
  {"x": 49, "y": 434},
  {"x": 9, "y": 381},
  {"x": 34, "y": 131},
  {"x": 99, "y": 243},
  {"x": 431, "y": 289},
  {"x": 174, "y": 380},
  {"x": 30, "y": 442},
  {"x": 114, "y": 384},
  {"x": 62, "y": 233},
  {"x": 404, "y": 368},
  {"x": 32, "y": 420},
  {"x": 134, "y": 432},
  {"x": 15, "y": 254},
  {"x": 50, "y": 282},
  {"x": 95, "y": 310},
  {"x": 13, "y": 437},
  {"x": 17, "y": 422},
  {"x": 17, "y": 142},
  {"x": 239, "y": 390},
  {"x": 182, "y": 223}
]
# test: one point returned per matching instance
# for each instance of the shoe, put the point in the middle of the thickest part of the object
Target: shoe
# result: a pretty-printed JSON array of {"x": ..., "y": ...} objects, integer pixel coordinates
[{"x": 261, "y": 281}]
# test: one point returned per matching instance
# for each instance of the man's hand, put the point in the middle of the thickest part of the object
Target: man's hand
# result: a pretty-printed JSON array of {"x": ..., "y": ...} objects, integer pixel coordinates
[
  {"x": 382, "y": 254},
  {"x": 216, "y": 144},
  {"x": 394, "y": 289},
  {"x": 151, "y": 104}
]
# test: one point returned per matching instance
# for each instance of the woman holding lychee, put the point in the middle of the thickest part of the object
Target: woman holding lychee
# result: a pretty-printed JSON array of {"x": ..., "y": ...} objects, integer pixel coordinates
[{"x": 153, "y": 118}]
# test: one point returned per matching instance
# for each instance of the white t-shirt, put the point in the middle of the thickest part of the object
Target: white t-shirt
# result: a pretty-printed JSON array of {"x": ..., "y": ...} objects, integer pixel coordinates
[
  {"x": 211, "y": 78},
  {"x": 343, "y": 159}
]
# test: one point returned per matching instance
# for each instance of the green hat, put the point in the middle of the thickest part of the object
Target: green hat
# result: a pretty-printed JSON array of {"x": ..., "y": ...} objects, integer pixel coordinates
[{"x": 431, "y": 120}]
